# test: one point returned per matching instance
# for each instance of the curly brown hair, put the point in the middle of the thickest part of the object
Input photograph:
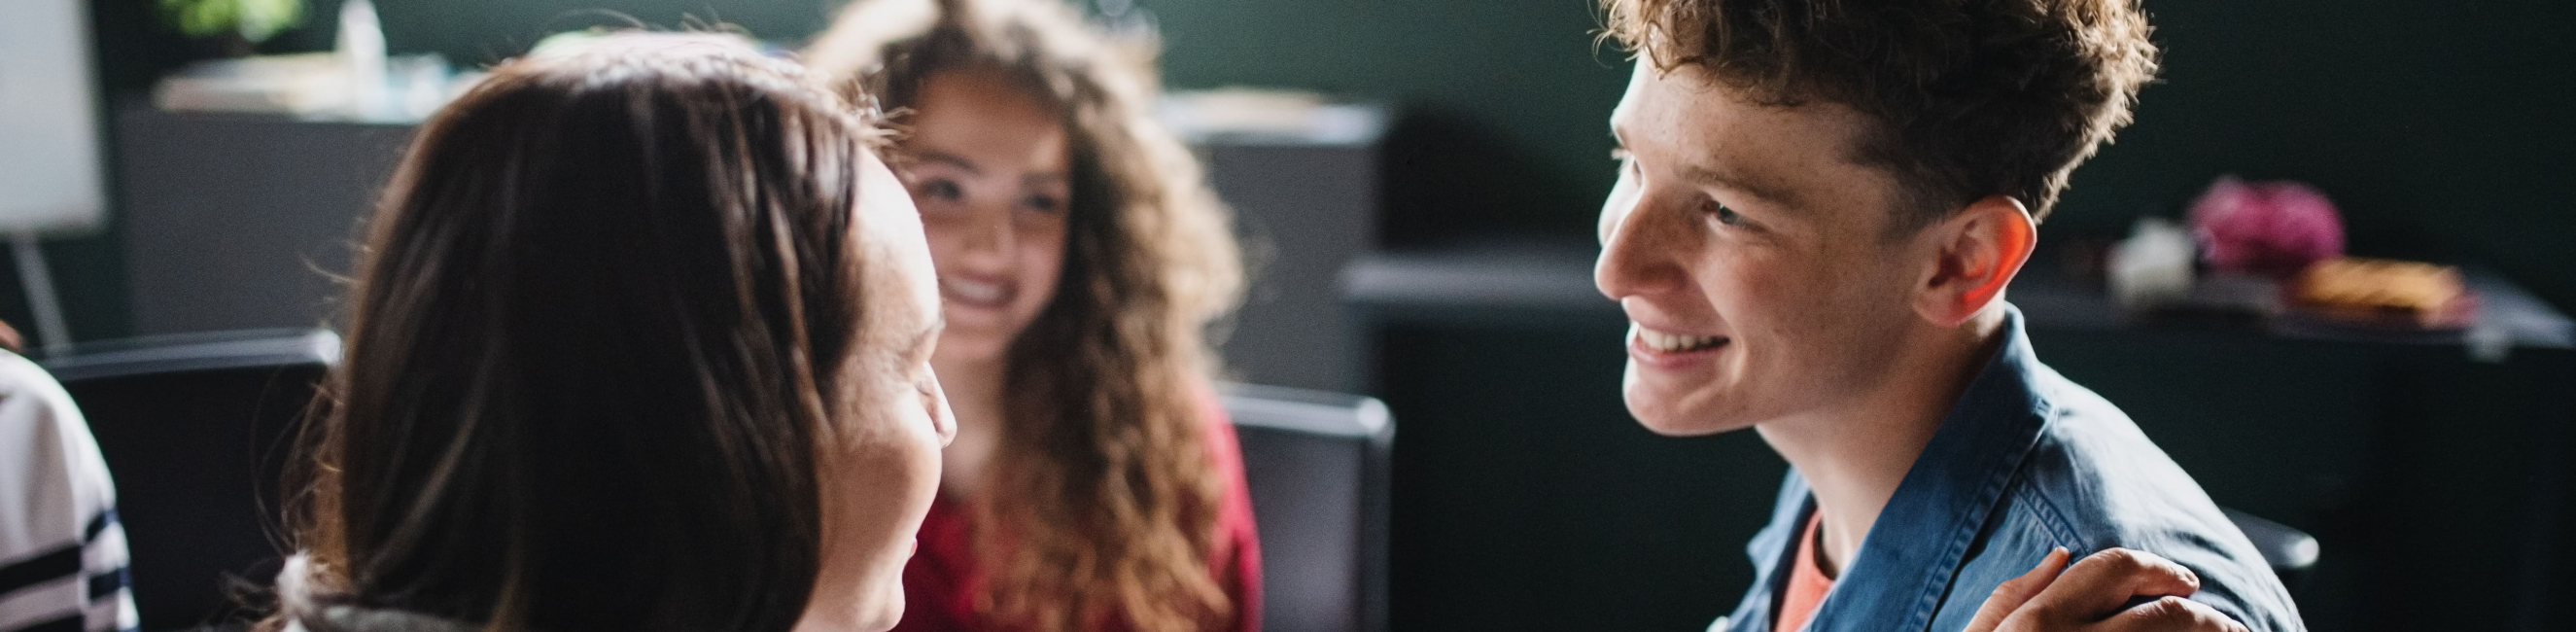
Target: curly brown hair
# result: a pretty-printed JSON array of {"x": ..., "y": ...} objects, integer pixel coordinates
[
  {"x": 1975, "y": 97},
  {"x": 1103, "y": 500}
]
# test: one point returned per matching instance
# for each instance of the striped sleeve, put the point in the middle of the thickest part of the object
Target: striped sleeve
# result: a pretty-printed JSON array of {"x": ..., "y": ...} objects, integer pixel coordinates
[{"x": 62, "y": 550}]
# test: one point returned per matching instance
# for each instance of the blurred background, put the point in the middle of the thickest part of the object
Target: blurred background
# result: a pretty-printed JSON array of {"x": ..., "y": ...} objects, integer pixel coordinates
[{"x": 1423, "y": 177}]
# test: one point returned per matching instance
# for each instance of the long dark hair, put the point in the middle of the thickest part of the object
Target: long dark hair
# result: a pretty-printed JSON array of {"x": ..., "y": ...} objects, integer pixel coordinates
[
  {"x": 1103, "y": 500},
  {"x": 596, "y": 335}
]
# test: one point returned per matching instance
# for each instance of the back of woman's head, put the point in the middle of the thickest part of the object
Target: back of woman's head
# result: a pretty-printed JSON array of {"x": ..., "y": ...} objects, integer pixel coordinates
[{"x": 595, "y": 335}]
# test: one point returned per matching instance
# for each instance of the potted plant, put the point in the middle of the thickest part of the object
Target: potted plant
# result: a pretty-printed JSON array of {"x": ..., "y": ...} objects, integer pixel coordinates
[{"x": 230, "y": 28}]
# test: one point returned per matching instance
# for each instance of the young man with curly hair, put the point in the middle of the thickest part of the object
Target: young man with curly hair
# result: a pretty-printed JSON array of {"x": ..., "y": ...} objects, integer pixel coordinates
[{"x": 1820, "y": 205}]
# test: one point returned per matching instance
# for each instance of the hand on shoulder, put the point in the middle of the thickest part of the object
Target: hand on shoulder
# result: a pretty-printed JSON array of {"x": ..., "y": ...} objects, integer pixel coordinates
[{"x": 2093, "y": 596}]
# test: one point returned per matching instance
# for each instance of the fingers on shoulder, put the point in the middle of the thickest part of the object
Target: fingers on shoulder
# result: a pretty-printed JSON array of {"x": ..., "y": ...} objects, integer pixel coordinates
[
  {"x": 2172, "y": 614},
  {"x": 2147, "y": 568},
  {"x": 2021, "y": 588}
]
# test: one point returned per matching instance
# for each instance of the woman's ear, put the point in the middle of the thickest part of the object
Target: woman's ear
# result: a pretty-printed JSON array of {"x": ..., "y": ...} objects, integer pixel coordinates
[{"x": 1976, "y": 252}]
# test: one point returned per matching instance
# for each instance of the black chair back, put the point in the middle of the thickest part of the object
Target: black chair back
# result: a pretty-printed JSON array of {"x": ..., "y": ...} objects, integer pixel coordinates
[
  {"x": 1317, "y": 466},
  {"x": 2291, "y": 552},
  {"x": 195, "y": 429}
]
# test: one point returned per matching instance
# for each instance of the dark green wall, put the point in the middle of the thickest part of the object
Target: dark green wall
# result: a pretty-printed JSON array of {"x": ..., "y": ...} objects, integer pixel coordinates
[
  {"x": 2441, "y": 126},
  {"x": 1507, "y": 102},
  {"x": 2446, "y": 129}
]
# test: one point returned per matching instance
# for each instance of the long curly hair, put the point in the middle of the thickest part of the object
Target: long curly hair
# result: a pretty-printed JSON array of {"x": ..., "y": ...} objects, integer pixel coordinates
[{"x": 1102, "y": 502}]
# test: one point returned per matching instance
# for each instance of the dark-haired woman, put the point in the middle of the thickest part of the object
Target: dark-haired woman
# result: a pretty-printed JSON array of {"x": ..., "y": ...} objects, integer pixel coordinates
[
  {"x": 1094, "y": 485},
  {"x": 640, "y": 341}
]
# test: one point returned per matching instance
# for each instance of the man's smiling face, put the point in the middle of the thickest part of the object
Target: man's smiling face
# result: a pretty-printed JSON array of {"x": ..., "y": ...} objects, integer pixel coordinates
[{"x": 1758, "y": 262}]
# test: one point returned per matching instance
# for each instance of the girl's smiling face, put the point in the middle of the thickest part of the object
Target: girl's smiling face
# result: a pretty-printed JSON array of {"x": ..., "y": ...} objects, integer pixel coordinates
[{"x": 990, "y": 171}]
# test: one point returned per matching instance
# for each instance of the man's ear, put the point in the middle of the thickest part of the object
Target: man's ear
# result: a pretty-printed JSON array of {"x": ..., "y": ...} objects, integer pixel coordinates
[{"x": 1976, "y": 252}]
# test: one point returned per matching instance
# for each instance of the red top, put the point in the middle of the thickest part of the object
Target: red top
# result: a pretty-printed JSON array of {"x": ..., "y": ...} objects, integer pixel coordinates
[
  {"x": 941, "y": 581},
  {"x": 1807, "y": 582}
]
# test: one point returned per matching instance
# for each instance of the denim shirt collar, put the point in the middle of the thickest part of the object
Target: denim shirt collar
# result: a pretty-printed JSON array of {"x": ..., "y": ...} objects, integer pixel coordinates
[{"x": 1923, "y": 535}]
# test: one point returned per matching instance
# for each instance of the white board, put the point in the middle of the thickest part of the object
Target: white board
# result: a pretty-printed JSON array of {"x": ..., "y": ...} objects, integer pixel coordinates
[{"x": 49, "y": 154}]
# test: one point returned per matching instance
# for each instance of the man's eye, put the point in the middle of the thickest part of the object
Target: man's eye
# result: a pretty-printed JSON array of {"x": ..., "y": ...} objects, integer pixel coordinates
[{"x": 1723, "y": 214}]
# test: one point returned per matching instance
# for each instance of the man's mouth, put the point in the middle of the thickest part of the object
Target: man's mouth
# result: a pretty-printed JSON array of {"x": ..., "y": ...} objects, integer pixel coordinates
[{"x": 1669, "y": 342}]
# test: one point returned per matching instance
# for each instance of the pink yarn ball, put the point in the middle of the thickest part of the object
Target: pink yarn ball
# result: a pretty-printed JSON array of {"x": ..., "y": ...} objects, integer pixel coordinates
[{"x": 2275, "y": 228}]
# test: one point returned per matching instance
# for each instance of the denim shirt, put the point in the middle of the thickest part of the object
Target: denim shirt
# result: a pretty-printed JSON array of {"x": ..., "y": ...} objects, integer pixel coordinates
[{"x": 2025, "y": 461}]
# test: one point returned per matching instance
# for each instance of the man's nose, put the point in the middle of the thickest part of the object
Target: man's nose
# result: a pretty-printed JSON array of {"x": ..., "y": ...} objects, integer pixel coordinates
[{"x": 1639, "y": 250}]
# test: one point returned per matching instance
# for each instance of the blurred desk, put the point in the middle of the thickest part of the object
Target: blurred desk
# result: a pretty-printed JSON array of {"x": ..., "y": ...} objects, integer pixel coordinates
[
  {"x": 1518, "y": 283},
  {"x": 1549, "y": 280},
  {"x": 2507, "y": 314},
  {"x": 2437, "y": 484}
]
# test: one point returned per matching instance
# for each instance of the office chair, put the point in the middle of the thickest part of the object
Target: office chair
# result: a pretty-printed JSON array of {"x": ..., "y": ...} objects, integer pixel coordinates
[
  {"x": 2291, "y": 552},
  {"x": 1316, "y": 463},
  {"x": 195, "y": 428}
]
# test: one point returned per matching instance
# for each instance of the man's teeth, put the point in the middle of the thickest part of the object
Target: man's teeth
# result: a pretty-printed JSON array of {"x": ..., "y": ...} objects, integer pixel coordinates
[
  {"x": 1675, "y": 343},
  {"x": 973, "y": 291}
]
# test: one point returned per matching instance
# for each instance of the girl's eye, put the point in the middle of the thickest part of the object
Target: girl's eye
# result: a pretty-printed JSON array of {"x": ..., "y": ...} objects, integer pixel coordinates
[
  {"x": 1044, "y": 203},
  {"x": 1627, "y": 161},
  {"x": 941, "y": 189}
]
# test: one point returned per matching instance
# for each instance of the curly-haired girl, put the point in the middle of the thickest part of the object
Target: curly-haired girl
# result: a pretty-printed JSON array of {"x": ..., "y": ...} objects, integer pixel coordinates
[{"x": 1094, "y": 484}]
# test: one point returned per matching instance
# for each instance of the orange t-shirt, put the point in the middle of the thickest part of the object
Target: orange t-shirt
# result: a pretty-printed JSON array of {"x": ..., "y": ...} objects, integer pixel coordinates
[{"x": 1807, "y": 582}]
